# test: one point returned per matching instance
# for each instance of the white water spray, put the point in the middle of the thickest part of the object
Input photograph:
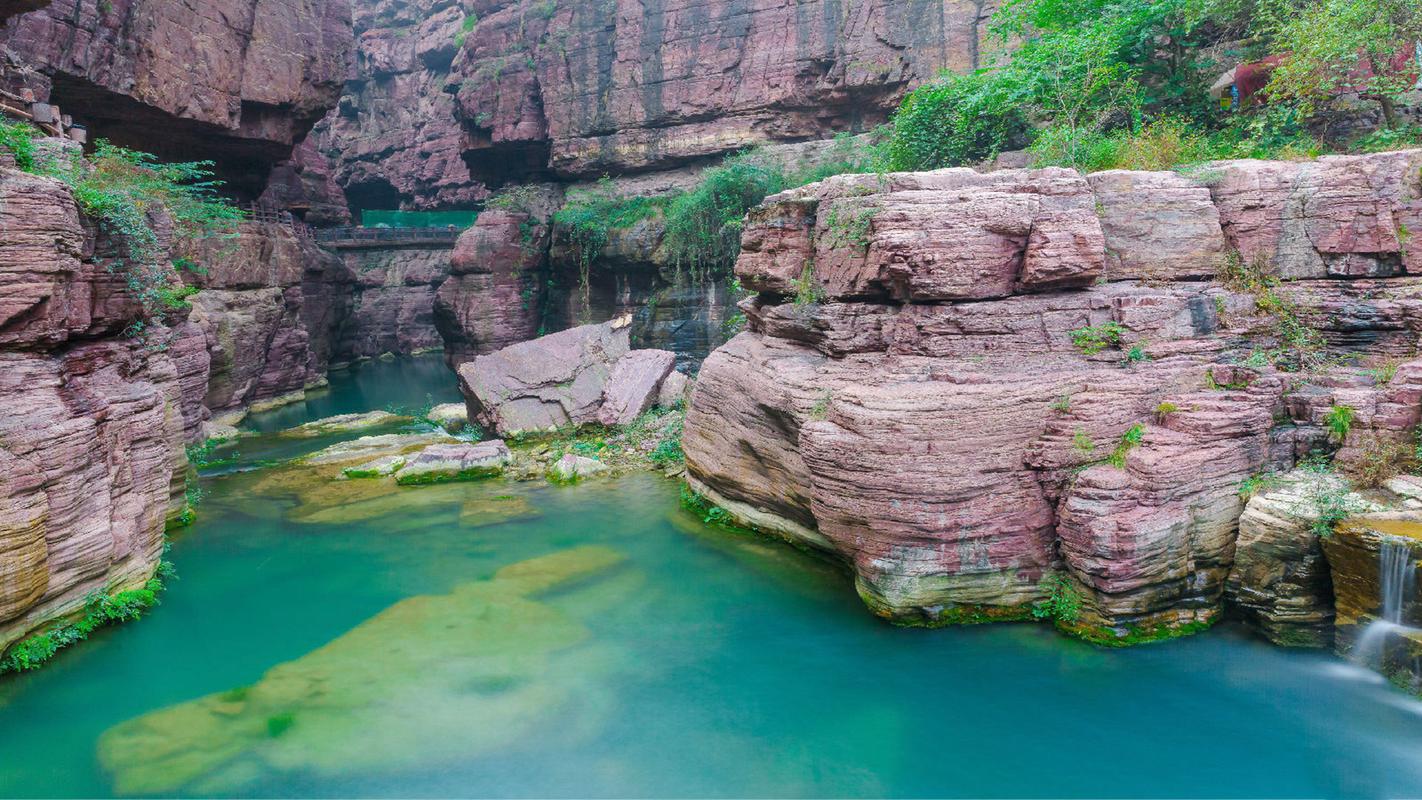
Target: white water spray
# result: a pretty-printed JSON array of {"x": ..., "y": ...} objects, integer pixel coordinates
[{"x": 1395, "y": 579}]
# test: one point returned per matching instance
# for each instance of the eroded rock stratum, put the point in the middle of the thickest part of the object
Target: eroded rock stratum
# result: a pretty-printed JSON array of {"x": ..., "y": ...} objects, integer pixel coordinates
[{"x": 932, "y": 412}]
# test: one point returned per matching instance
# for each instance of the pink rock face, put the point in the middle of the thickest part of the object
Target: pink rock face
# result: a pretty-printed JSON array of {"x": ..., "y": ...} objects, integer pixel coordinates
[
  {"x": 627, "y": 86},
  {"x": 633, "y": 385},
  {"x": 452, "y": 97},
  {"x": 306, "y": 185},
  {"x": 396, "y": 135},
  {"x": 238, "y": 78},
  {"x": 272, "y": 307},
  {"x": 392, "y": 307},
  {"x": 955, "y": 446},
  {"x": 492, "y": 298},
  {"x": 91, "y": 441},
  {"x": 925, "y": 237},
  {"x": 547, "y": 383},
  {"x": 1158, "y": 225},
  {"x": 1344, "y": 216}
]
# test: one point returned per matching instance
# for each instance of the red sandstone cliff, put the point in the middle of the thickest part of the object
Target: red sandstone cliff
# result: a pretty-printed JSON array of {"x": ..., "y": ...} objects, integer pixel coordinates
[
  {"x": 451, "y": 97},
  {"x": 235, "y": 81},
  {"x": 933, "y": 422}
]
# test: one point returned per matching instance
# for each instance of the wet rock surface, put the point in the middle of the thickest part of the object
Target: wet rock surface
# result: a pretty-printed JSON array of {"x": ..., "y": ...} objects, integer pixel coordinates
[
  {"x": 91, "y": 459},
  {"x": 1020, "y": 375}
]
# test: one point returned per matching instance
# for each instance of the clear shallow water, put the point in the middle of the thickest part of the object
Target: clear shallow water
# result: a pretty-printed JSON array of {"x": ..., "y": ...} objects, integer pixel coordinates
[{"x": 642, "y": 654}]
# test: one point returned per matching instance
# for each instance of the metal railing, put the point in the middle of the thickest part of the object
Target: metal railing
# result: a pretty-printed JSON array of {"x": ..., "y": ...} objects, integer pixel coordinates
[
  {"x": 356, "y": 236},
  {"x": 273, "y": 216}
]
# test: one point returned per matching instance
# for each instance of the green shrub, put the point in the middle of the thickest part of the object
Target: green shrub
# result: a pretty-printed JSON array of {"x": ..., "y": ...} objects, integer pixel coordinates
[
  {"x": 1063, "y": 600},
  {"x": 697, "y": 504},
  {"x": 99, "y": 610},
  {"x": 590, "y": 216},
  {"x": 1257, "y": 483},
  {"x": 1164, "y": 410},
  {"x": 1339, "y": 420},
  {"x": 1082, "y": 442},
  {"x": 1094, "y": 338},
  {"x": 955, "y": 121},
  {"x": 1129, "y": 441},
  {"x": 19, "y": 139},
  {"x": 808, "y": 290},
  {"x": 703, "y": 226},
  {"x": 122, "y": 190},
  {"x": 466, "y": 27}
]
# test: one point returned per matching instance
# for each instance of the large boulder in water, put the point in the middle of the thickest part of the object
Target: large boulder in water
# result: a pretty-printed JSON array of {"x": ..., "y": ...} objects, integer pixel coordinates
[
  {"x": 634, "y": 384},
  {"x": 546, "y": 383},
  {"x": 581, "y": 375}
]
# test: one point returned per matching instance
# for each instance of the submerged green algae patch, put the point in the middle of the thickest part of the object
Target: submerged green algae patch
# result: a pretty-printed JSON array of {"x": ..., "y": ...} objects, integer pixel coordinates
[
  {"x": 496, "y": 510},
  {"x": 480, "y": 663}
]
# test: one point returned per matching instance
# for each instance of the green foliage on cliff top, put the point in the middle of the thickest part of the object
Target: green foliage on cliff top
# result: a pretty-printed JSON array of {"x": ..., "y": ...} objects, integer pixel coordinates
[
  {"x": 1102, "y": 84},
  {"x": 133, "y": 197}
]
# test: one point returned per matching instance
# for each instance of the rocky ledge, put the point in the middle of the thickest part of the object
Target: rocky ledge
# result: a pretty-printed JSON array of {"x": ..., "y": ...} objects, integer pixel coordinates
[{"x": 1000, "y": 394}]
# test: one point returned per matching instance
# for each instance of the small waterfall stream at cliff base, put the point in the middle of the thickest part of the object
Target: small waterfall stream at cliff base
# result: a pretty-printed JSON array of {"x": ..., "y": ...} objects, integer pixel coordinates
[{"x": 1396, "y": 577}]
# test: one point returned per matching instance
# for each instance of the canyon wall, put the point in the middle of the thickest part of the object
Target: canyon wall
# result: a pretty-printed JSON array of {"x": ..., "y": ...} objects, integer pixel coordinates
[
  {"x": 92, "y": 462},
  {"x": 993, "y": 382},
  {"x": 91, "y": 458},
  {"x": 452, "y": 97},
  {"x": 235, "y": 81}
]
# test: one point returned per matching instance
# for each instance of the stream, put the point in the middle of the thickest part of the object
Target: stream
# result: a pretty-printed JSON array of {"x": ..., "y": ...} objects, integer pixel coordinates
[{"x": 507, "y": 639}]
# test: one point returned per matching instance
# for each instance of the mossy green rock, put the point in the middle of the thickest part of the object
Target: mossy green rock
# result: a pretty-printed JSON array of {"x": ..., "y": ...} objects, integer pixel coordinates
[{"x": 484, "y": 652}]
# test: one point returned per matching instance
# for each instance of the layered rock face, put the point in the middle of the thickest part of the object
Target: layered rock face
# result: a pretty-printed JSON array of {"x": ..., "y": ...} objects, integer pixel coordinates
[
  {"x": 1021, "y": 374},
  {"x": 453, "y": 96},
  {"x": 271, "y": 304},
  {"x": 91, "y": 457},
  {"x": 392, "y": 306},
  {"x": 630, "y": 86},
  {"x": 494, "y": 295},
  {"x": 395, "y": 139},
  {"x": 238, "y": 81}
]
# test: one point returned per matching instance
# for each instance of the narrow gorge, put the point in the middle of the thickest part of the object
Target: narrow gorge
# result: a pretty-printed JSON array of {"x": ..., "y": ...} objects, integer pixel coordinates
[{"x": 655, "y": 398}]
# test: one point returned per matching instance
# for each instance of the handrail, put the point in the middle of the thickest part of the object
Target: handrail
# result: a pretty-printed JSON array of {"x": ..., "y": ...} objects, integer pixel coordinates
[{"x": 355, "y": 234}]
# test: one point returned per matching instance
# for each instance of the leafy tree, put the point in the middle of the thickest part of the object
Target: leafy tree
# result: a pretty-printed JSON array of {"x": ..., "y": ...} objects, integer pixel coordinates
[{"x": 1334, "y": 46}]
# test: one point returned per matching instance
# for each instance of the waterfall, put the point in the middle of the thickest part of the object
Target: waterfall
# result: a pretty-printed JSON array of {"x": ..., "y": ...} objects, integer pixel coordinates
[{"x": 1395, "y": 578}]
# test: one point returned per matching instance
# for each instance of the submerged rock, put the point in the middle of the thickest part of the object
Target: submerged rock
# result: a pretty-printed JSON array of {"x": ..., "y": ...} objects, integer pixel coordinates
[
  {"x": 346, "y": 423},
  {"x": 479, "y": 662},
  {"x": 484, "y": 511},
  {"x": 442, "y": 463}
]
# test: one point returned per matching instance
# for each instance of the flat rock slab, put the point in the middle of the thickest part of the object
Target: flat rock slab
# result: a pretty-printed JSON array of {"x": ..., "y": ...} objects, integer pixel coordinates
[
  {"x": 633, "y": 386},
  {"x": 441, "y": 463},
  {"x": 345, "y": 423}
]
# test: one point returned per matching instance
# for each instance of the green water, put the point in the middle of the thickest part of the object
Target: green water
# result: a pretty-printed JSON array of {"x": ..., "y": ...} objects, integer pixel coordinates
[{"x": 665, "y": 658}]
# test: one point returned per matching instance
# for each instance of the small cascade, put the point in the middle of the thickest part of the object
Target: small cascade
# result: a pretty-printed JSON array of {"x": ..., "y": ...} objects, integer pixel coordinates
[{"x": 1395, "y": 584}]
